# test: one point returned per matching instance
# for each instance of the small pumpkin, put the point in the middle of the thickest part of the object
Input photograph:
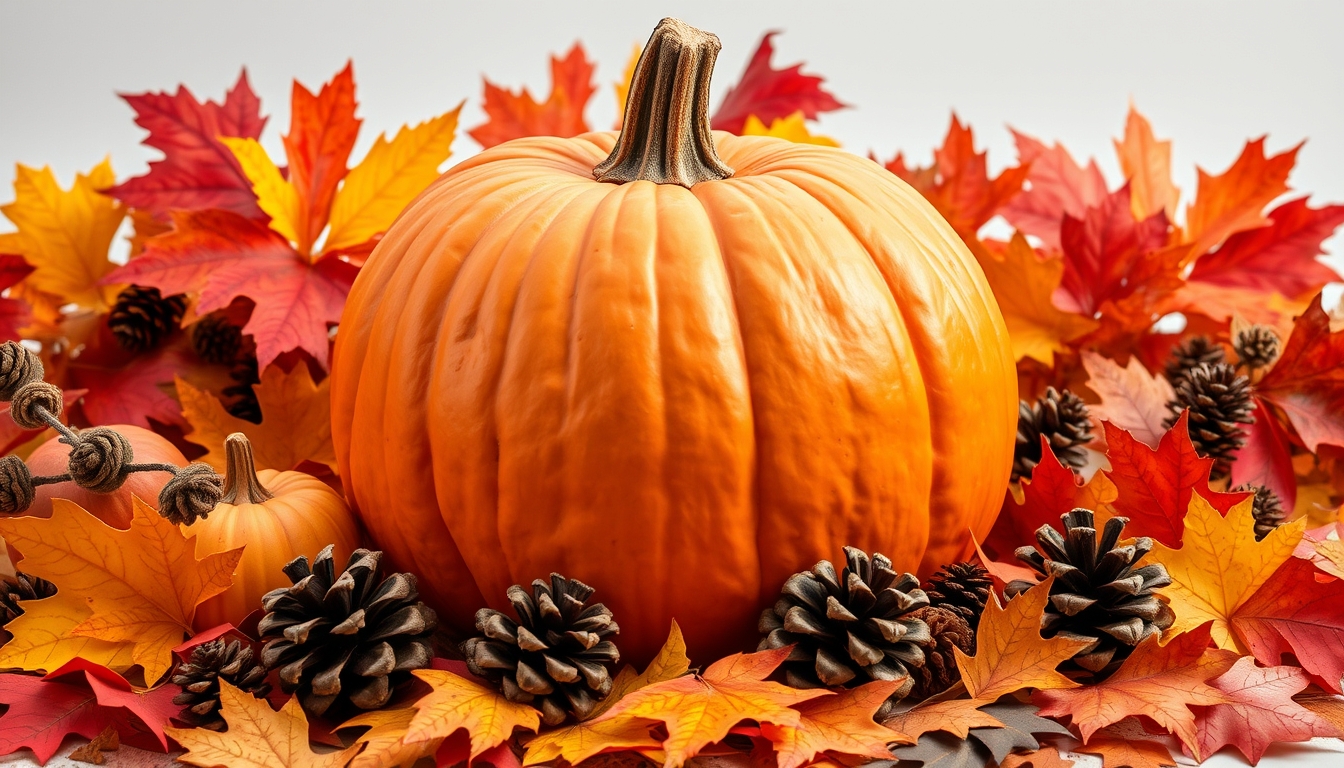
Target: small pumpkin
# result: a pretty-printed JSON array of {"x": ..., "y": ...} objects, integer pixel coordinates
[
  {"x": 52, "y": 457},
  {"x": 677, "y": 364},
  {"x": 277, "y": 516}
]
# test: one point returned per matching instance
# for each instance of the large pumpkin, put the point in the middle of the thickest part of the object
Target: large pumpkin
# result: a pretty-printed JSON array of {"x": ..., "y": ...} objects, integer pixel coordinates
[{"x": 675, "y": 378}]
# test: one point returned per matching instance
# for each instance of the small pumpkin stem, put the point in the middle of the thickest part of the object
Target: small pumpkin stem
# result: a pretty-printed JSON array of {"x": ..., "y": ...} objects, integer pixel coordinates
[
  {"x": 241, "y": 484},
  {"x": 665, "y": 137}
]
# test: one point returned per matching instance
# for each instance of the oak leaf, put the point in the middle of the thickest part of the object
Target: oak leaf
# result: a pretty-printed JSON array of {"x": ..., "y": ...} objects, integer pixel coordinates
[
  {"x": 141, "y": 585},
  {"x": 841, "y": 724},
  {"x": 1059, "y": 186},
  {"x": 1155, "y": 485},
  {"x": 1307, "y": 381},
  {"x": 1157, "y": 681},
  {"x": 257, "y": 737},
  {"x": 699, "y": 710},
  {"x": 1146, "y": 163},
  {"x": 1232, "y": 201},
  {"x": 790, "y": 128},
  {"x": 384, "y": 744},
  {"x": 1260, "y": 711},
  {"x": 770, "y": 93},
  {"x": 513, "y": 116},
  {"x": 1220, "y": 566},
  {"x": 1010, "y": 653},
  {"x": 1132, "y": 399},
  {"x": 456, "y": 702},
  {"x": 1023, "y": 283},
  {"x": 1278, "y": 258},
  {"x": 1052, "y": 490},
  {"x": 196, "y": 171},
  {"x": 65, "y": 234},
  {"x": 295, "y": 420},
  {"x": 1296, "y": 613}
]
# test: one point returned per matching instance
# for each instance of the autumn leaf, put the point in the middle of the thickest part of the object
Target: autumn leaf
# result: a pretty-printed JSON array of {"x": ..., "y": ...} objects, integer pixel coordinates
[
  {"x": 1127, "y": 752},
  {"x": 43, "y": 637},
  {"x": 1059, "y": 186},
  {"x": 1220, "y": 566},
  {"x": 513, "y": 116},
  {"x": 770, "y": 93},
  {"x": 1157, "y": 681},
  {"x": 295, "y": 421},
  {"x": 65, "y": 234},
  {"x": 1232, "y": 201},
  {"x": 955, "y": 716},
  {"x": 1279, "y": 258},
  {"x": 840, "y": 724},
  {"x": 123, "y": 387},
  {"x": 15, "y": 314},
  {"x": 276, "y": 196},
  {"x": 221, "y": 256},
  {"x": 322, "y": 131},
  {"x": 1266, "y": 458},
  {"x": 1146, "y": 163},
  {"x": 1307, "y": 382},
  {"x": 152, "y": 708},
  {"x": 958, "y": 183},
  {"x": 1018, "y": 722},
  {"x": 388, "y": 179},
  {"x": 196, "y": 171},
  {"x": 699, "y": 710},
  {"x": 579, "y": 741},
  {"x": 1045, "y": 757},
  {"x": 383, "y": 743},
  {"x": 1010, "y": 653},
  {"x": 1052, "y": 490},
  {"x": 1155, "y": 486},
  {"x": 457, "y": 702},
  {"x": 1131, "y": 398},
  {"x": 141, "y": 585},
  {"x": 1105, "y": 249},
  {"x": 1296, "y": 613},
  {"x": 1328, "y": 706},
  {"x": 1260, "y": 711},
  {"x": 791, "y": 128},
  {"x": 1023, "y": 284},
  {"x": 257, "y": 737}
]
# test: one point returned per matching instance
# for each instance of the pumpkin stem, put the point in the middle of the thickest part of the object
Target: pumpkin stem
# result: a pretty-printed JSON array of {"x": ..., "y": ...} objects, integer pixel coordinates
[
  {"x": 665, "y": 137},
  {"x": 241, "y": 484}
]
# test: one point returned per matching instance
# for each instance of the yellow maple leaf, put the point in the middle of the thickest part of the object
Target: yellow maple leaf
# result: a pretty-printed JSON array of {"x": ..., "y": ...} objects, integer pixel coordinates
[
  {"x": 837, "y": 725},
  {"x": 1023, "y": 283},
  {"x": 1011, "y": 654},
  {"x": 275, "y": 195},
  {"x": 793, "y": 128},
  {"x": 388, "y": 179},
  {"x": 295, "y": 421},
  {"x": 141, "y": 585},
  {"x": 65, "y": 234},
  {"x": 384, "y": 743},
  {"x": 1146, "y": 163},
  {"x": 1220, "y": 566},
  {"x": 257, "y": 737},
  {"x": 42, "y": 641},
  {"x": 579, "y": 741},
  {"x": 455, "y": 703}
]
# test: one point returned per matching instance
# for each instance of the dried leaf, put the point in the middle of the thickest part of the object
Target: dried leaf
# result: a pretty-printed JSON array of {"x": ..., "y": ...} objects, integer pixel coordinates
[
  {"x": 43, "y": 637},
  {"x": 1131, "y": 398},
  {"x": 1128, "y": 752},
  {"x": 92, "y": 753},
  {"x": 257, "y": 737},
  {"x": 513, "y": 116},
  {"x": 984, "y": 745},
  {"x": 456, "y": 702},
  {"x": 770, "y": 93},
  {"x": 1296, "y": 613},
  {"x": 1045, "y": 757},
  {"x": 1260, "y": 711},
  {"x": 384, "y": 745},
  {"x": 15, "y": 314},
  {"x": 841, "y": 724},
  {"x": 1266, "y": 458},
  {"x": 1109, "y": 255},
  {"x": 276, "y": 196},
  {"x": 954, "y": 716}
]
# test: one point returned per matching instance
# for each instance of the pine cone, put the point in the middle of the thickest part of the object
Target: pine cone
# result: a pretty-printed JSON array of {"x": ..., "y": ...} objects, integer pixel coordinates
[
  {"x": 215, "y": 339},
  {"x": 1098, "y": 595},
  {"x": 1219, "y": 402},
  {"x": 939, "y": 671},
  {"x": 240, "y": 399},
  {"x": 1190, "y": 354},
  {"x": 21, "y": 586},
  {"x": 199, "y": 677},
  {"x": 344, "y": 638},
  {"x": 1063, "y": 418},
  {"x": 1257, "y": 346},
  {"x": 142, "y": 317},
  {"x": 1266, "y": 507},
  {"x": 849, "y": 628},
  {"x": 556, "y": 656},
  {"x": 962, "y": 588}
]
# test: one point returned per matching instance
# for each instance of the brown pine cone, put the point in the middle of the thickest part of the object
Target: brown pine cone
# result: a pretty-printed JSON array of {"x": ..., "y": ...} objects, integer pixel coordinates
[
  {"x": 1266, "y": 507},
  {"x": 21, "y": 586},
  {"x": 215, "y": 339},
  {"x": 1062, "y": 417},
  {"x": 1218, "y": 400},
  {"x": 142, "y": 317},
  {"x": 199, "y": 678},
  {"x": 948, "y": 631},
  {"x": 1257, "y": 346},
  {"x": 962, "y": 588},
  {"x": 1190, "y": 354}
]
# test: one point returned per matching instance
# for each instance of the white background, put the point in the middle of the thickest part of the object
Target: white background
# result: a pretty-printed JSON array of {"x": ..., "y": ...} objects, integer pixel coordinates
[{"x": 1208, "y": 74}]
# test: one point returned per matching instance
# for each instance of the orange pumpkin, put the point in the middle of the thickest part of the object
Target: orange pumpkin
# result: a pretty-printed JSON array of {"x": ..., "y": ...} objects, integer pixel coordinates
[
  {"x": 277, "y": 516},
  {"x": 675, "y": 377},
  {"x": 52, "y": 457}
]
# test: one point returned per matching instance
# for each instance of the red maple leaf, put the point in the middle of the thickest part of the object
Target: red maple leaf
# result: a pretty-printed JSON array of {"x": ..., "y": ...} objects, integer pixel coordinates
[
  {"x": 1266, "y": 458},
  {"x": 1233, "y": 200},
  {"x": 322, "y": 131},
  {"x": 770, "y": 93},
  {"x": 1307, "y": 382},
  {"x": 221, "y": 256},
  {"x": 15, "y": 314},
  {"x": 958, "y": 182},
  {"x": 1105, "y": 250},
  {"x": 1057, "y": 186},
  {"x": 513, "y": 116},
  {"x": 1052, "y": 490},
  {"x": 1261, "y": 712},
  {"x": 1155, "y": 486},
  {"x": 197, "y": 171},
  {"x": 1296, "y": 613},
  {"x": 1280, "y": 257},
  {"x": 152, "y": 709}
]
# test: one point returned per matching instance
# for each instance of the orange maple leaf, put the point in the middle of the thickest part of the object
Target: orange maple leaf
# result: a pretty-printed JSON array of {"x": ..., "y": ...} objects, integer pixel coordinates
[
  {"x": 1045, "y": 757},
  {"x": 256, "y": 736},
  {"x": 1233, "y": 200},
  {"x": 1133, "y": 753},
  {"x": 841, "y": 724},
  {"x": 1010, "y": 652},
  {"x": 384, "y": 742},
  {"x": 955, "y": 716},
  {"x": 1023, "y": 283},
  {"x": 456, "y": 702},
  {"x": 513, "y": 116},
  {"x": 1146, "y": 163}
]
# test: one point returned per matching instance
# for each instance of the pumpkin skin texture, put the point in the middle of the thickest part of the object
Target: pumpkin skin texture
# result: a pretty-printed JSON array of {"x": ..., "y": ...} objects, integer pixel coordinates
[
  {"x": 302, "y": 516},
  {"x": 114, "y": 508},
  {"x": 679, "y": 396}
]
